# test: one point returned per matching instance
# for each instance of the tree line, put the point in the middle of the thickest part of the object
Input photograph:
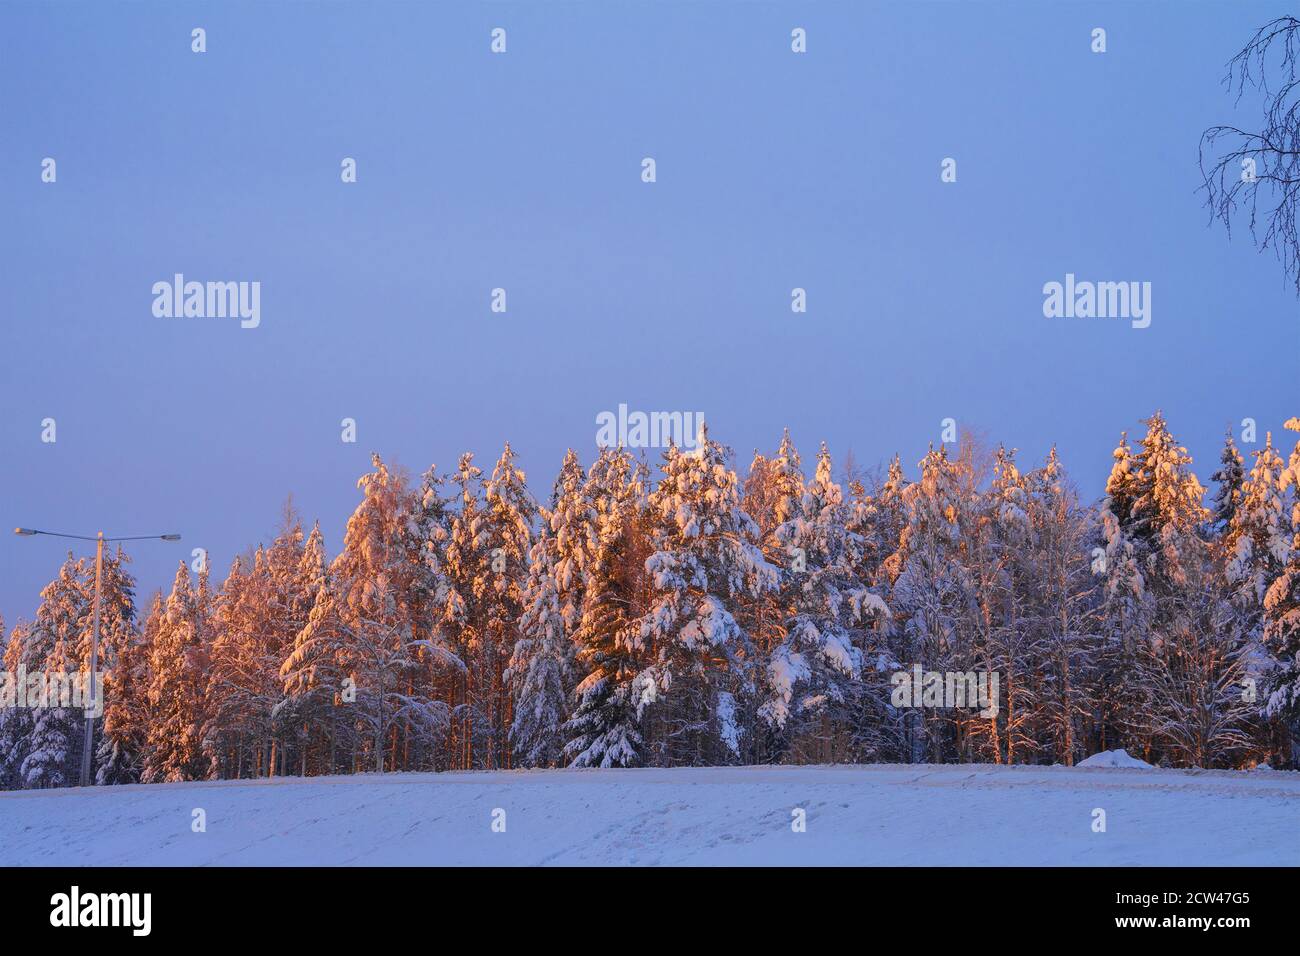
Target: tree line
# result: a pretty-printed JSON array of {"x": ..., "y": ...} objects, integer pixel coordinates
[{"x": 702, "y": 618}]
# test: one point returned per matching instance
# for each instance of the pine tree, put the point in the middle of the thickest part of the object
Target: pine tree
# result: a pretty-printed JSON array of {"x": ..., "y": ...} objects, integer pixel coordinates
[
  {"x": 1167, "y": 508},
  {"x": 932, "y": 596},
  {"x": 1230, "y": 478},
  {"x": 54, "y": 645},
  {"x": 537, "y": 668},
  {"x": 463, "y": 626},
  {"x": 117, "y": 754},
  {"x": 706, "y": 565},
  {"x": 258, "y": 613},
  {"x": 1060, "y": 608},
  {"x": 459, "y": 612},
  {"x": 315, "y": 680},
  {"x": 570, "y": 523},
  {"x": 878, "y": 519},
  {"x": 609, "y": 701},
  {"x": 124, "y": 741},
  {"x": 178, "y": 666},
  {"x": 999, "y": 537},
  {"x": 1190, "y": 666},
  {"x": 772, "y": 496},
  {"x": 371, "y": 616},
  {"x": 231, "y": 723},
  {"x": 773, "y": 491},
  {"x": 1256, "y": 542},
  {"x": 1152, "y": 520},
  {"x": 16, "y": 722},
  {"x": 1122, "y": 484},
  {"x": 503, "y": 533},
  {"x": 1254, "y": 551},
  {"x": 1127, "y": 612},
  {"x": 1282, "y": 628},
  {"x": 813, "y": 672},
  {"x": 433, "y": 599},
  {"x": 1200, "y": 716},
  {"x": 543, "y": 654}
]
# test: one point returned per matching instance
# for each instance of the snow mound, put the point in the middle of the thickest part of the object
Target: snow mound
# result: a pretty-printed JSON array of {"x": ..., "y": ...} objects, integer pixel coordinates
[{"x": 1114, "y": 758}]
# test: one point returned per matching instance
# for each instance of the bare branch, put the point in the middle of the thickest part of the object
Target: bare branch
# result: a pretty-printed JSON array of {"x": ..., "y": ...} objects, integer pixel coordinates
[{"x": 1236, "y": 163}]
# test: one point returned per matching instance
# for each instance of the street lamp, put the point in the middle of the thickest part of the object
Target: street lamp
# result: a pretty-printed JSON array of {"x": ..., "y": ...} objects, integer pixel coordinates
[{"x": 99, "y": 540}]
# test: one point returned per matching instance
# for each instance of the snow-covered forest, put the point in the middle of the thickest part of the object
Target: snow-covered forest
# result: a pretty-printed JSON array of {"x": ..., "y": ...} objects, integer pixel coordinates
[{"x": 693, "y": 613}]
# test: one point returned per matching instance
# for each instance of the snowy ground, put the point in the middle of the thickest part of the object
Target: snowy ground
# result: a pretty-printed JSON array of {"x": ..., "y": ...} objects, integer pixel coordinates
[{"x": 886, "y": 814}]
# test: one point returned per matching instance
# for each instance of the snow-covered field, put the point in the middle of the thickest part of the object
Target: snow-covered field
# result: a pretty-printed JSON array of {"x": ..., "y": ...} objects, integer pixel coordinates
[{"x": 883, "y": 814}]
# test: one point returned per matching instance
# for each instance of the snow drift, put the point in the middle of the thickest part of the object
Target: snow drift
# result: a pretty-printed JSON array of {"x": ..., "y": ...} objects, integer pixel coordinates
[{"x": 1114, "y": 758}]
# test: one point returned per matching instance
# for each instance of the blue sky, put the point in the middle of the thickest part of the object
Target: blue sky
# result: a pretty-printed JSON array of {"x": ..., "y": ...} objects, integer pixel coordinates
[{"x": 522, "y": 171}]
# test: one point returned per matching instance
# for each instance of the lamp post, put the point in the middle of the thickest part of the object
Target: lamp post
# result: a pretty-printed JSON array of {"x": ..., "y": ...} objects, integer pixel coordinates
[{"x": 99, "y": 540}]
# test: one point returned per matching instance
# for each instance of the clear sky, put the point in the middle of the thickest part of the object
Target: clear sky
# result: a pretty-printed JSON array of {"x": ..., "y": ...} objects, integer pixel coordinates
[{"x": 523, "y": 171}]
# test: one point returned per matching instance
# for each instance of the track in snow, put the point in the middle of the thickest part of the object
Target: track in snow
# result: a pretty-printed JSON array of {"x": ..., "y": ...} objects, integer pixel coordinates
[{"x": 856, "y": 815}]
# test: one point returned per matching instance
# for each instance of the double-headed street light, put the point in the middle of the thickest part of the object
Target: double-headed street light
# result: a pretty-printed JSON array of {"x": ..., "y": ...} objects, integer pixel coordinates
[{"x": 99, "y": 540}]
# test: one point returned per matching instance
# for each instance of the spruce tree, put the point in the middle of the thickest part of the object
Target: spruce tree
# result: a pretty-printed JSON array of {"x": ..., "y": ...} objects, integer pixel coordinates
[
  {"x": 442, "y": 667},
  {"x": 1282, "y": 628},
  {"x": 503, "y": 534},
  {"x": 118, "y": 753},
  {"x": 1230, "y": 478},
  {"x": 178, "y": 667},
  {"x": 544, "y": 652},
  {"x": 16, "y": 722},
  {"x": 931, "y": 595},
  {"x": 1060, "y": 604},
  {"x": 371, "y": 624},
  {"x": 317, "y": 686},
  {"x": 258, "y": 613},
  {"x": 706, "y": 565},
  {"x": 1257, "y": 542},
  {"x": 538, "y": 665},
  {"x": 460, "y": 614},
  {"x": 812, "y": 674},
  {"x": 53, "y": 749},
  {"x": 610, "y": 699}
]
